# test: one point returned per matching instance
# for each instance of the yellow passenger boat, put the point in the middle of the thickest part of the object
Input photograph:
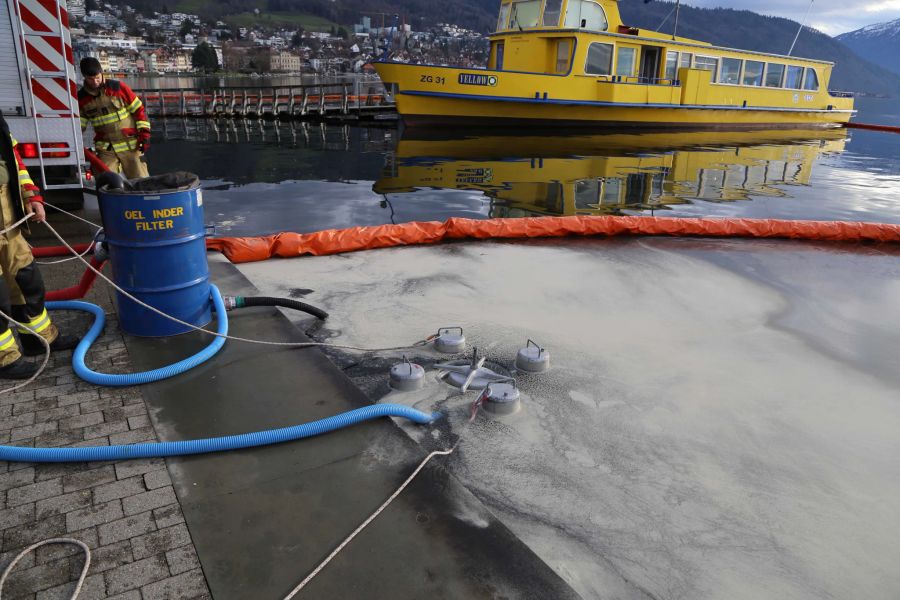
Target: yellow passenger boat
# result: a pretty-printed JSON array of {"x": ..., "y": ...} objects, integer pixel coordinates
[{"x": 573, "y": 62}]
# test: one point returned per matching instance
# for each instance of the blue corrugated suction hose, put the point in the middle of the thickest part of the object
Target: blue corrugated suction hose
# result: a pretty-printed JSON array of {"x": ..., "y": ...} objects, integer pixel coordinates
[
  {"x": 219, "y": 444},
  {"x": 113, "y": 380},
  {"x": 183, "y": 448}
]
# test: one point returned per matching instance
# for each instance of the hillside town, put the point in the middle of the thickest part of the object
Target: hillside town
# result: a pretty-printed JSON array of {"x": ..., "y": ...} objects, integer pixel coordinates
[{"x": 128, "y": 42}]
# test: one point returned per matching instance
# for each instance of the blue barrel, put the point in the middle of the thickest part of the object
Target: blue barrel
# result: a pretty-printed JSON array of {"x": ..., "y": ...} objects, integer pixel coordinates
[{"x": 157, "y": 248}]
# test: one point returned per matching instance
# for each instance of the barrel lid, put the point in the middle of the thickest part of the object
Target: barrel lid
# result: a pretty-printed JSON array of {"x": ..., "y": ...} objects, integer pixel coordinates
[{"x": 177, "y": 181}]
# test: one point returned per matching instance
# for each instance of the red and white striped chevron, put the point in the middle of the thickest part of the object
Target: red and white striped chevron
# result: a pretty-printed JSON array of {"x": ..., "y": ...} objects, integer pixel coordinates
[{"x": 48, "y": 45}]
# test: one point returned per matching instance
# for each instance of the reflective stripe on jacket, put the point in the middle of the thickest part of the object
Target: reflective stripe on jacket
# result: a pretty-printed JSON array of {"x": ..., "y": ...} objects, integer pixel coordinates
[
  {"x": 26, "y": 191},
  {"x": 115, "y": 113}
]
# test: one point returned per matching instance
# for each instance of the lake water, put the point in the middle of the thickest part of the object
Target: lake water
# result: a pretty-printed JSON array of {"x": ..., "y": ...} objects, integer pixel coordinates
[{"x": 266, "y": 177}]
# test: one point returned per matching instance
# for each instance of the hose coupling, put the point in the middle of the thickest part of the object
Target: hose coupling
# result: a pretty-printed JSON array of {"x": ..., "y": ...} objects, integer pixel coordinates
[{"x": 232, "y": 302}]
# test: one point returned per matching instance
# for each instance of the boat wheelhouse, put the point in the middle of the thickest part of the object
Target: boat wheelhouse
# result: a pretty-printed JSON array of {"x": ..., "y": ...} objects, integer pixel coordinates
[{"x": 573, "y": 62}]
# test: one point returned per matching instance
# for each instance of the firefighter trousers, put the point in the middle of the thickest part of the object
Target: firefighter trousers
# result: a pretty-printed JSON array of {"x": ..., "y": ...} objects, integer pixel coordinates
[
  {"x": 127, "y": 162},
  {"x": 21, "y": 287}
]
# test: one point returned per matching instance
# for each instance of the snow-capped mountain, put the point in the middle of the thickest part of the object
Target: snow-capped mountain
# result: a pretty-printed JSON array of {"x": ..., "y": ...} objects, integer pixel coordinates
[{"x": 879, "y": 43}]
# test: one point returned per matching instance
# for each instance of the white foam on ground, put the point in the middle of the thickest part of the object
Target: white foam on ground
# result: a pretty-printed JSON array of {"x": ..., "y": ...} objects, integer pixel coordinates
[{"x": 685, "y": 445}]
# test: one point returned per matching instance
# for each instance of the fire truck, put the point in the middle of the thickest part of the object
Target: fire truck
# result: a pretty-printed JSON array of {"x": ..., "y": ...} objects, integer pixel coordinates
[{"x": 38, "y": 95}]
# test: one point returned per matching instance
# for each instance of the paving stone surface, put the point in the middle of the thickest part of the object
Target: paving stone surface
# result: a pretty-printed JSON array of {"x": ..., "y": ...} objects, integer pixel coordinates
[{"x": 126, "y": 512}]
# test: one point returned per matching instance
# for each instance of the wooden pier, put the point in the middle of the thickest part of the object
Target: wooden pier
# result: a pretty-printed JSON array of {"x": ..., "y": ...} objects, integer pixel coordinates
[{"x": 349, "y": 101}]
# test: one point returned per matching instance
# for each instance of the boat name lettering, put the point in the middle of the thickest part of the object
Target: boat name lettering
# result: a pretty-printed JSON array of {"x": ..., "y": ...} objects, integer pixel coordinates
[
  {"x": 433, "y": 79},
  {"x": 477, "y": 79},
  {"x": 484, "y": 175}
]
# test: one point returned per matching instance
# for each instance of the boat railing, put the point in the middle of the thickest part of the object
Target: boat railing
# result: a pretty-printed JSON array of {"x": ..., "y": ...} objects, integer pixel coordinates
[{"x": 636, "y": 80}]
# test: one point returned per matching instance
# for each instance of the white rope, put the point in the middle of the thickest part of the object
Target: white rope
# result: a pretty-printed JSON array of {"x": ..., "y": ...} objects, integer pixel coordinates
[
  {"x": 221, "y": 335},
  {"x": 16, "y": 224},
  {"x": 371, "y": 518},
  {"x": 62, "y": 260},
  {"x": 73, "y": 215},
  {"x": 31, "y": 548}
]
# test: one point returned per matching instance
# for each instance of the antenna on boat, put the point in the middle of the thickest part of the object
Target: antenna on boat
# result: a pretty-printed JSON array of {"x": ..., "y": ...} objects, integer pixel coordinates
[
  {"x": 801, "y": 27},
  {"x": 674, "y": 10},
  {"x": 390, "y": 41},
  {"x": 677, "y": 10}
]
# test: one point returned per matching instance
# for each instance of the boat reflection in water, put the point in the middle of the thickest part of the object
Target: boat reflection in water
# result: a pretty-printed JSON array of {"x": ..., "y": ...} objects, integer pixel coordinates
[{"x": 608, "y": 173}]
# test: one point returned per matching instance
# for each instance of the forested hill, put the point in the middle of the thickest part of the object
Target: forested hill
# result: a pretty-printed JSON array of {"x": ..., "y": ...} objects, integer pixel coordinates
[
  {"x": 480, "y": 15},
  {"x": 750, "y": 31}
]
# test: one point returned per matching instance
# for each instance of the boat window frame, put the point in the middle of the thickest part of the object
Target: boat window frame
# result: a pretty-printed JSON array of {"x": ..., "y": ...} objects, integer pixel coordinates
[
  {"x": 780, "y": 83},
  {"x": 762, "y": 73},
  {"x": 587, "y": 57},
  {"x": 815, "y": 74},
  {"x": 570, "y": 54},
  {"x": 559, "y": 13},
  {"x": 498, "y": 50},
  {"x": 674, "y": 74},
  {"x": 737, "y": 74},
  {"x": 714, "y": 73},
  {"x": 538, "y": 16},
  {"x": 503, "y": 19},
  {"x": 690, "y": 60},
  {"x": 799, "y": 80},
  {"x": 634, "y": 60},
  {"x": 580, "y": 23}
]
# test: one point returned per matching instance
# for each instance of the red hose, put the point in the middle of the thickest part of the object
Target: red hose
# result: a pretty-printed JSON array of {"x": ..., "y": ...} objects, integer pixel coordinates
[
  {"x": 97, "y": 165},
  {"x": 87, "y": 279},
  {"x": 888, "y": 128},
  {"x": 50, "y": 251},
  {"x": 78, "y": 291}
]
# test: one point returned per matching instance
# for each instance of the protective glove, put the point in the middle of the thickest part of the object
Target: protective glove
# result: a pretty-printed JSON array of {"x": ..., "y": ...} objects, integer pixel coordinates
[{"x": 143, "y": 137}]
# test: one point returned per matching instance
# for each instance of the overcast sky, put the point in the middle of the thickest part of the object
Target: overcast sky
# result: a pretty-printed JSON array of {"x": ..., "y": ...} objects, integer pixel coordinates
[{"x": 830, "y": 16}]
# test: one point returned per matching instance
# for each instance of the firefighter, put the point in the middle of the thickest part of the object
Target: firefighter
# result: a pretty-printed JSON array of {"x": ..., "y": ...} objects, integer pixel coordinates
[
  {"x": 17, "y": 191},
  {"x": 121, "y": 128}
]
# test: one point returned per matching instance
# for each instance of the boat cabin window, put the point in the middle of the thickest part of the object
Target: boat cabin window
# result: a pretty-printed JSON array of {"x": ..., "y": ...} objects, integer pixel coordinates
[
  {"x": 671, "y": 65},
  {"x": 753, "y": 72},
  {"x": 504, "y": 16},
  {"x": 552, "y": 10},
  {"x": 811, "y": 80},
  {"x": 774, "y": 75},
  {"x": 794, "y": 75},
  {"x": 625, "y": 61},
  {"x": 586, "y": 14},
  {"x": 731, "y": 71},
  {"x": 599, "y": 59},
  {"x": 707, "y": 63},
  {"x": 497, "y": 62},
  {"x": 675, "y": 61},
  {"x": 563, "y": 55},
  {"x": 524, "y": 14}
]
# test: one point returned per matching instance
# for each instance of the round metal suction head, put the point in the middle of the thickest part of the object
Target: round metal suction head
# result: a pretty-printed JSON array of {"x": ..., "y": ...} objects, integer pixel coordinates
[
  {"x": 450, "y": 340},
  {"x": 502, "y": 399},
  {"x": 533, "y": 359},
  {"x": 407, "y": 376}
]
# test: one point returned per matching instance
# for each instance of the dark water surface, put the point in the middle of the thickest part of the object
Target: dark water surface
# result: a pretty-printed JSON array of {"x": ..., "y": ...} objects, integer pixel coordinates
[{"x": 266, "y": 177}]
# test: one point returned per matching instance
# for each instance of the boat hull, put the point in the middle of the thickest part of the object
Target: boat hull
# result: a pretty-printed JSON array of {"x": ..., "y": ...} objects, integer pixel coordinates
[{"x": 584, "y": 101}]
